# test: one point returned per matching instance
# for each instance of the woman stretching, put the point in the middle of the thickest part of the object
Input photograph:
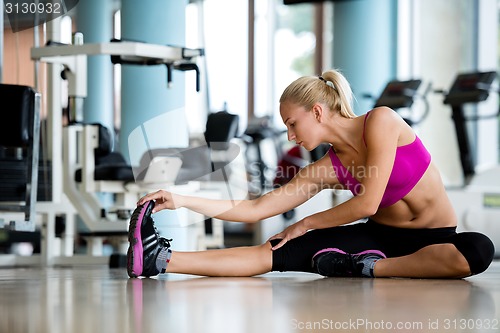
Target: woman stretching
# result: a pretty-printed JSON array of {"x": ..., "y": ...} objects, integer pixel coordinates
[{"x": 411, "y": 226}]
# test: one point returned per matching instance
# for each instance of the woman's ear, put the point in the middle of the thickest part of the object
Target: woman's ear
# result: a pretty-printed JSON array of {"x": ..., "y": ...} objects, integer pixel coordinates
[{"x": 318, "y": 112}]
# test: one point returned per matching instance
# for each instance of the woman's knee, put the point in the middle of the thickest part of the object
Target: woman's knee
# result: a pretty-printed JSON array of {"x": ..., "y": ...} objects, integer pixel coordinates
[
  {"x": 266, "y": 255},
  {"x": 476, "y": 248},
  {"x": 265, "y": 247}
]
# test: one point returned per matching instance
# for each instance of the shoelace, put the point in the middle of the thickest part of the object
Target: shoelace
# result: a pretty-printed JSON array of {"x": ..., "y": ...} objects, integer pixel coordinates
[{"x": 164, "y": 242}]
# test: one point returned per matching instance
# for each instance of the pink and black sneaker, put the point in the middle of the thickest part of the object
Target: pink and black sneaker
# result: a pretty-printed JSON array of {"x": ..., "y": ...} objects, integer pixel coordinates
[
  {"x": 148, "y": 253},
  {"x": 335, "y": 262}
]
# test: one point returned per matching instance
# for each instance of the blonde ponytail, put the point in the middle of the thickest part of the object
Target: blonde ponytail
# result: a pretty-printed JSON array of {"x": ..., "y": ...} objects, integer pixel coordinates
[{"x": 331, "y": 88}]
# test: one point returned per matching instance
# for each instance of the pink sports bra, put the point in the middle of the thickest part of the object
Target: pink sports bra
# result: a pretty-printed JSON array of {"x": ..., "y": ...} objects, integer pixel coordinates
[{"x": 410, "y": 164}]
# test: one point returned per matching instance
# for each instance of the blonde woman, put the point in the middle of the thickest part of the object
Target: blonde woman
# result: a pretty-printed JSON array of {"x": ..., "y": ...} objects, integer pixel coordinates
[{"x": 411, "y": 226}]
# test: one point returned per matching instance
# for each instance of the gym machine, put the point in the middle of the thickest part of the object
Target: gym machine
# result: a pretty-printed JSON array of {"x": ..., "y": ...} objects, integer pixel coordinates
[
  {"x": 73, "y": 195},
  {"x": 477, "y": 203},
  {"x": 399, "y": 95}
]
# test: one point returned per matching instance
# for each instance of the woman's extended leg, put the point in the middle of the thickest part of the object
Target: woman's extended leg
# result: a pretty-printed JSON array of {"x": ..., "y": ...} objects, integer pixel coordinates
[
  {"x": 149, "y": 254},
  {"x": 238, "y": 261},
  {"x": 433, "y": 261}
]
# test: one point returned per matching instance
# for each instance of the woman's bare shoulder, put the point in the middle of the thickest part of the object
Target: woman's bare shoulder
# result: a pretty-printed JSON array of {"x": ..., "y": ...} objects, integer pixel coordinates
[
  {"x": 383, "y": 120},
  {"x": 383, "y": 113}
]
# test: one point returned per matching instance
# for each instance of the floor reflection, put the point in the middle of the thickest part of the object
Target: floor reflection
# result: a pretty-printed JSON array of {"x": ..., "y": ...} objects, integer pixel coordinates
[
  {"x": 102, "y": 300},
  {"x": 389, "y": 304}
]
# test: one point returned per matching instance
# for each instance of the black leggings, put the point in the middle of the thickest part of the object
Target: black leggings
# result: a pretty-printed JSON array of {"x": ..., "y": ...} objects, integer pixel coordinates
[{"x": 296, "y": 255}]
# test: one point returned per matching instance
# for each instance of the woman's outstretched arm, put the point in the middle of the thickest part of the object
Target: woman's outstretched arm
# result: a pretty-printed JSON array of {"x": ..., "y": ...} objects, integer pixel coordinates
[{"x": 308, "y": 182}]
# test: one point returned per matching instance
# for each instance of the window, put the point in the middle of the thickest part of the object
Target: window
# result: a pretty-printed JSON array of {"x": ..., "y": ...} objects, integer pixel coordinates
[
  {"x": 220, "y": 27},
  {"x": 294, "y": 47},
  {"x": 284, "y": 48}
]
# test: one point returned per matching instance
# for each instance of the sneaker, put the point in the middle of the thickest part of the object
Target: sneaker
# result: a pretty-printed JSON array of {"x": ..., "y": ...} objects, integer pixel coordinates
[
  {"x": 334, "y": 262},
  {"x": 148, "y": 254}
]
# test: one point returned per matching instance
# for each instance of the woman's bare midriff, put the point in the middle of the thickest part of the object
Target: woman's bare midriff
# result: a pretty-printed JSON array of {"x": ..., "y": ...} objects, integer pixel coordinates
[{"x": 426, "y": 206}]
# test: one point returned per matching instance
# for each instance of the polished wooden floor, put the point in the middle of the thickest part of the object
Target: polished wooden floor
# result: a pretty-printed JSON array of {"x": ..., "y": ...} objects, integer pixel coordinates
[{"x": 98, "y": 299}]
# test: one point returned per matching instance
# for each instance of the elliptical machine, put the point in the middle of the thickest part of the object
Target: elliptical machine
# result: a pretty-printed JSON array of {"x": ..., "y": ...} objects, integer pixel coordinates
[
  {"x": 400, "y": 95},
  {"x": 477, "y": 203}
]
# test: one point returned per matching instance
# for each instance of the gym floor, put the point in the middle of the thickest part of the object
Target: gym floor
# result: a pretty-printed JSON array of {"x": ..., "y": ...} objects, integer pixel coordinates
[{"x": 99, "y": 299}]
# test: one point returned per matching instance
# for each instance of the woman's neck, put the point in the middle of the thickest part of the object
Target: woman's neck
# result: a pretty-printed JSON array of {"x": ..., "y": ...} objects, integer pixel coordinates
[{"x": 345, "y": 134}]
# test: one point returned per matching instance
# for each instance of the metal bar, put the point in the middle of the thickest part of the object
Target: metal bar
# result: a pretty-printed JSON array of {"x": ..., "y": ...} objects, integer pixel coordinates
[{"x": 161, "y": 53}]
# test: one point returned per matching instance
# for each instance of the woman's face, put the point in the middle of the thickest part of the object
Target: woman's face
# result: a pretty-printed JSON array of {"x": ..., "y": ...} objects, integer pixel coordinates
[{"x": 301, "y": 125}]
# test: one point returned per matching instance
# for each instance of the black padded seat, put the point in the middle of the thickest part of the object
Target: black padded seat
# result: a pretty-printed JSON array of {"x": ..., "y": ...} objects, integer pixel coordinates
[
  {"x": 110, "y": 167},
  {"x": 16, "y": 127},
  {"x": 221, "y": 127},
  {"x": 19, "y": 132}
]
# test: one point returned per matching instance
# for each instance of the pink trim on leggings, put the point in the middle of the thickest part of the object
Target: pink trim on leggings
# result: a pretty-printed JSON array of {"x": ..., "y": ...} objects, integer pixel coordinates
[{"x": 331, "y": 249}]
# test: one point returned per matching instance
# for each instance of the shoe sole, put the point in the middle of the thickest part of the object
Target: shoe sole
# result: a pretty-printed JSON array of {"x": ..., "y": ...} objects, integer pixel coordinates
[
  {"x": 342, "y": 252},
  {"x": 135, "y": 250}
]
